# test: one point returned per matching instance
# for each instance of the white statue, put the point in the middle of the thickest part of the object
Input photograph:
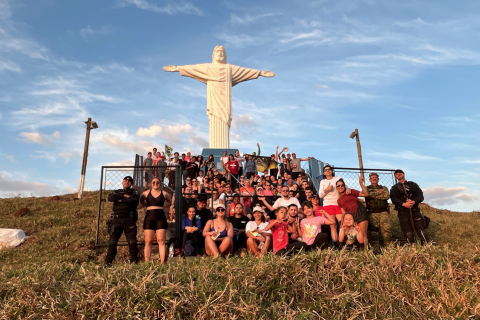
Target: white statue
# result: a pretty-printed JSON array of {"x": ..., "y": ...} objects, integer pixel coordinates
[{"x": 220, "y": 77}]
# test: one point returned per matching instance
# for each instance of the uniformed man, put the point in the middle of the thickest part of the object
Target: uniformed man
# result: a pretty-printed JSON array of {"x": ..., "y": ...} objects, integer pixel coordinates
[
  {"x": 124, "y": 219},
  {"x": 406, "y": 196},
  {"x": 377, "y": 207}
]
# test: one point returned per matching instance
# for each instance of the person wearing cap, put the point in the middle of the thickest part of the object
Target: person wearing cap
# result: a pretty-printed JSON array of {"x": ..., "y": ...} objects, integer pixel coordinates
[
  {"x": 218, "y": 234},
  {"x": 259, "y": 241},
  {"x": 406, "y": 196},
  {"x": 377, "y": 207},
  {"x": 239, "y": 222},
  {"x": 124, "y": 220}
]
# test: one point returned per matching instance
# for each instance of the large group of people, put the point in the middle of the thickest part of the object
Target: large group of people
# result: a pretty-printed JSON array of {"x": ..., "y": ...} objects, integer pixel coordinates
[{"x": 234, "y": 210}]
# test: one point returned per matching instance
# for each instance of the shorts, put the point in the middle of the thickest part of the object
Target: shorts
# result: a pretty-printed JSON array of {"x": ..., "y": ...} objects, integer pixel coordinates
[
  {"x": 332, "y": 210},
  {"x": 155, "y": 220},
  {"x": 361, "y": 213}
]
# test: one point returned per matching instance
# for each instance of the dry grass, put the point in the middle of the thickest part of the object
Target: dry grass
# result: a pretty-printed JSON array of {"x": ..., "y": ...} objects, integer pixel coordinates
[{"x": 55, "y": 275}]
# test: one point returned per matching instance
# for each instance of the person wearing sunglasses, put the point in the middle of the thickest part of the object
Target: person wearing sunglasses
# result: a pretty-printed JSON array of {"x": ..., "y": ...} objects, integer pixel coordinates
[
  {"x": 218, "y": 234},
  {"x": 329, "y": 193},
  {"x": 155, "y": 223},
  {"x": 351, "y": 204}
]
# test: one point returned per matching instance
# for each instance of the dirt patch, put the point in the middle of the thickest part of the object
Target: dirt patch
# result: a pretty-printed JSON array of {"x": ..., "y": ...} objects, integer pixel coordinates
[{"x": 22, "y": 212}]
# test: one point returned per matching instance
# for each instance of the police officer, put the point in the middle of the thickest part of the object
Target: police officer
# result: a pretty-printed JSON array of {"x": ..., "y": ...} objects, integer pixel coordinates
[
  {"x": 124, "y": 219},
  {"x": 406, "y": 196},
  {"x": 377, "y": 207}
]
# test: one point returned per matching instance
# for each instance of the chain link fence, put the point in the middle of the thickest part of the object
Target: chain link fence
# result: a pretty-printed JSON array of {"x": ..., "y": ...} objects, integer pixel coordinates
[{"x": 112, "y": 178}]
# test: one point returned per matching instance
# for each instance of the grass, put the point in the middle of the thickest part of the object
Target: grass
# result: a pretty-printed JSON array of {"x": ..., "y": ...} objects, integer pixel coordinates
[{"x": 55, "y": 274}]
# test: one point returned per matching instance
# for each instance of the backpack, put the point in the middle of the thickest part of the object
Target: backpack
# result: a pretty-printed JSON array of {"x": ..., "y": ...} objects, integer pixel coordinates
[{"x": 190, "y": 248}]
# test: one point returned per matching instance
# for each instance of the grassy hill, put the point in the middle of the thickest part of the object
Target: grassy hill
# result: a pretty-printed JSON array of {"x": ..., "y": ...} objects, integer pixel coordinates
[{"x": 55, "y": 274}]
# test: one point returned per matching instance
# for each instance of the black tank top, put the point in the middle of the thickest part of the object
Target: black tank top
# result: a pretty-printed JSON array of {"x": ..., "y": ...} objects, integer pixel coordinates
[{"x": 155, "y": 202}]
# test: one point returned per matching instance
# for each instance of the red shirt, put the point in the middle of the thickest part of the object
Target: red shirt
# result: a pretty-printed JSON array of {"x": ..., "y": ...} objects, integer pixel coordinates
[
  {"x": 233, "y": 166},
  {"x": 232, "y": 209},
  {"x": 349, "y": 201},
  {"x": 280, "y": 236},
  {"x": 317, "y": 211}
]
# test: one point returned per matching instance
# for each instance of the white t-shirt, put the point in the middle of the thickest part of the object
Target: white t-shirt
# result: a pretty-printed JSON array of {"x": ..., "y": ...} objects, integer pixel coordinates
[
  {"x": 331, "y": 197},
  {"x": 224, "y": 160},
  {"x": 200, "y": 180},
  {"x": 252, "y": 225},
  {"x": 281, "y": 202}
]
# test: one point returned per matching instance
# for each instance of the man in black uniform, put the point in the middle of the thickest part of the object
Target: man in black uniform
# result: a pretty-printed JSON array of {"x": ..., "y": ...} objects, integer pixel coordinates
[
  {"x": 124, "y": 219},
  {"x": 406, "y": 196}
]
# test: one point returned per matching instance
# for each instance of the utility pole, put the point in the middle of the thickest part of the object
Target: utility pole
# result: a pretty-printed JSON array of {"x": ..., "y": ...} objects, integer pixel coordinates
[
  {"x": 90, "y": 125},
  {"x": 359, "y": 151}
]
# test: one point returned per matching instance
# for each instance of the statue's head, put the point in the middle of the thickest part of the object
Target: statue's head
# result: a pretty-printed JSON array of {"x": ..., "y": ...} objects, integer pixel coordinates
[{"x": 219, "y": 55}]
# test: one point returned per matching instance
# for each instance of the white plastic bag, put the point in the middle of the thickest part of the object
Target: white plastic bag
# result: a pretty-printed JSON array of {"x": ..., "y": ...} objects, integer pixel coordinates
[{"x": 11, "y": 238}]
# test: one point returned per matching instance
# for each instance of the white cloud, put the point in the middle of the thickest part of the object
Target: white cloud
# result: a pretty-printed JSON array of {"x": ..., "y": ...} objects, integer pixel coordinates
[
  {"x": 151, "y": 131},
  {"x": 35, "y": 137},
  {"x": 9, "y": 157},
  {"x": 407, "y": 155},
  {"x": 121, "y": 163},
  {"x": 322, "y": 86},
  {"x": 88, "y": 31},
  {"x": 4, "y": 9},
  {"x": 12, "y": 188},
  {"x": 243, "y": 121},
  {"x": 56, "y": 135},
  {"x": 234, "y": 19},
  {"x": 446, "y": 196},
  {"x": 66, "y": 155},
  {"x": 171, "y": 8},
  {"x": 467, "y": 197},
  {"x": 40, "y": 156},
  {"x": 6, "y": 65}
]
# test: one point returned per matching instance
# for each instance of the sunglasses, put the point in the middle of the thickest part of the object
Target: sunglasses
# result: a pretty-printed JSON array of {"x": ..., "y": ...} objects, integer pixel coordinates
[
  {"x": 327, "y": 170},
  {"x": 156, "y": 182},
  {"x": 194, "y": 180},
  {"x": 340, "y": 186},
  {"x": 219, "y": 209}
]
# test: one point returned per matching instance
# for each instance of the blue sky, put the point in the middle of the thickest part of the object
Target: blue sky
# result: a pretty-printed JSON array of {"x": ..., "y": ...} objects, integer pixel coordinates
[{"x": 405, "y": 73}]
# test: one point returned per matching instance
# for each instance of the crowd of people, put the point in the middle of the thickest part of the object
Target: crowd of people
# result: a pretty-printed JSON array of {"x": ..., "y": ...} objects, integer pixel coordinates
[{"x": 234, "y": 210}]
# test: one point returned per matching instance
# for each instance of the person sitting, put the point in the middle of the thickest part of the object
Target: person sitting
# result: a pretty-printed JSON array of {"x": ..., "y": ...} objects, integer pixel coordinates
[
  {"x": 351, "y": 204},
  {"x": 239, "y": 222},
  {"x": 279, "y": 227},
  {"x": 311, "y": 227},
  {"x": 209, "y": 164},
  {"x": 284, "y": 201},
  {"x": 293, "y": 223},
  {"x": 350, "y": 235},
  {"x": 218, "y": 234},
  {"x": 191, "y": 226},
  {"x": 200, "y": 177},
  {"x": 216, "y": 200},
  {"x": 259, "y": 241}
]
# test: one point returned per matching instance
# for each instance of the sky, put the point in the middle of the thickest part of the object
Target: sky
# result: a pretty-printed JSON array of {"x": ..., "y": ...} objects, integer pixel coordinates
[{"x": 405, "y": 73}]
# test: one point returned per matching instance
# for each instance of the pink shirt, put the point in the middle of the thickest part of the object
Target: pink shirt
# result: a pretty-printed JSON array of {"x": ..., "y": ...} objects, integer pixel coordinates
[
  {"x": 311, "y": 227},
  {"x": 280, "y": 236}
]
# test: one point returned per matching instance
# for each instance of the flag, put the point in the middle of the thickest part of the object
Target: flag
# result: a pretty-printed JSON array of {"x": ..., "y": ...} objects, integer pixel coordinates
[
  {"x": 168, "y": 151},
  {"x": 263, "y": 163}
]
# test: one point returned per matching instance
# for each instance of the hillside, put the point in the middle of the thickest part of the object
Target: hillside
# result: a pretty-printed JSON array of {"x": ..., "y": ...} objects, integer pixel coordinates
[{"x": 56, "y": 274}]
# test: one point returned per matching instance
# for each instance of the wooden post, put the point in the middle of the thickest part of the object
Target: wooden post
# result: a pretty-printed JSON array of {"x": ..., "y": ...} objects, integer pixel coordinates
[
  {"x": 359, "y": 150},
  {"x": 85, "y": 156}
]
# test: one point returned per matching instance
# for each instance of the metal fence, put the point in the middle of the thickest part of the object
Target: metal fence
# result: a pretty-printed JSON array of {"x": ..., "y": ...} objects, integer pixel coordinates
[
  {"x": 314, "y": 168},
  {"x": 111, "y": 179}
]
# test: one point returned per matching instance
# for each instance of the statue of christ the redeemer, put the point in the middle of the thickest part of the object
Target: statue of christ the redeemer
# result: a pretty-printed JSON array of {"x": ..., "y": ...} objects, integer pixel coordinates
[{"x": 220, "y": 77}]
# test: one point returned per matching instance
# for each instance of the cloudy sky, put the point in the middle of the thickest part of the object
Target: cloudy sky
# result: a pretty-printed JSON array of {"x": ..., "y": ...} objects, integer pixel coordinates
[{"x": 405, "y": 73}]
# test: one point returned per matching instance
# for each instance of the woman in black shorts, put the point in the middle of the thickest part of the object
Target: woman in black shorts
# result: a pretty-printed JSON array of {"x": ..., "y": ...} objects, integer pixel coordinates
[{"x": 155, "y": 220}]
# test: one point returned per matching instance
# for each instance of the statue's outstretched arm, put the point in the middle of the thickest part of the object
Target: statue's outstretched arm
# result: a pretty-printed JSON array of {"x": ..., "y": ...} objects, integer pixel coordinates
[
  {"x": 171, "y": 68},
  {"x": 266, "y": 74}
]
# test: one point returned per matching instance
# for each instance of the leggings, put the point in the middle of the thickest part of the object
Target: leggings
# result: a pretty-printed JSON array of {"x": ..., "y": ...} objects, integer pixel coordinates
[{"x": 321, "y": 242}]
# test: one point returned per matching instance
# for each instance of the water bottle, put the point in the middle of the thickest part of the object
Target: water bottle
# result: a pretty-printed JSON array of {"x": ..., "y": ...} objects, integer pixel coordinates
[
  {"x": 260, "y": 246},
  {"x": 171, "y": 250}
]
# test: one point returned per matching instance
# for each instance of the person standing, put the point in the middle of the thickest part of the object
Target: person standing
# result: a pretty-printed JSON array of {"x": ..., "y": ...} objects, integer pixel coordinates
[
  {"x": 183, "y": 166},
  {"x": 148, "y": 163},
  {"x": 233, "y": 167},
  {"x": 329, "y": 193},
  {"x": 124, "y": 220},
  {"x": 250, "y": 167},
  {"x": 274, "y": 164},
  {"x": 406, "y": 196},
  {"x": 377, "y": 207},
  {"x": 240, "y": 160},
  {"x": 175, "y": 165},
  {"x": 209, "y": 164},
  {"x": 155, "y": 223},
  {"x": 296, "y": 166}
]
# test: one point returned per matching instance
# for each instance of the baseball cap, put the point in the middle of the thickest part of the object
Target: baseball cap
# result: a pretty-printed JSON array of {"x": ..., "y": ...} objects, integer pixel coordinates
[
  {"x": 259, "y": 187},
  {"x": 258, "y": 209},
  {"x": 220, "y": 205},
  {"x": 373, "y": 174},
  {"x": 399, "y": 171},
  {"x": 129, "y": 178}
]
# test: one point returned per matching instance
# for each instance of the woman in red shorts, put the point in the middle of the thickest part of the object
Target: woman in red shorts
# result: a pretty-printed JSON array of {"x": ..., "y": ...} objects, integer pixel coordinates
[{"x": 351, "y": 204}]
